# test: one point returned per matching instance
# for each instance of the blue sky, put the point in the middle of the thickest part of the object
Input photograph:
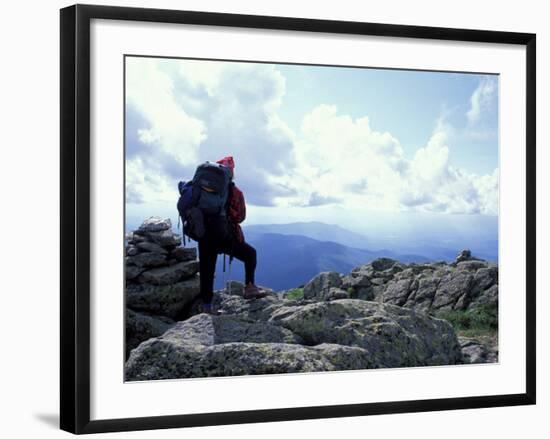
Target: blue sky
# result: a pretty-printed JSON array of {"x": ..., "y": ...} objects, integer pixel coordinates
[{"x": 332, "y": 144}]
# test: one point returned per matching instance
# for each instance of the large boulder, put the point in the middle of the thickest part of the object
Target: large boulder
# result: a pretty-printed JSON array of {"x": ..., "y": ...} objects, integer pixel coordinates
[
  {"x": 206, "y": 346},
  {"x": 141, "y": 327},
  {"x": 169, "y": 275},
  {"x": 397, "y": 291},
  {"x": 393, "y": 336},
  {"x": 426, "y": 287},
  {"x": 164, "y": 300},
  {"x": 320, "y": 336},
  {"x": 453, "y": 291},
  {"x": 488, "y": 297},
  {"x": 319, "y": 287},
  {"x": 382, "y": 264},
  {"x": 235, "y": 304}
]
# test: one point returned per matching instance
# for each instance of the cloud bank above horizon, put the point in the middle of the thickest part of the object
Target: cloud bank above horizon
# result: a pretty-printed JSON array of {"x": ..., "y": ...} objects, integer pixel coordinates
[{"x": 183, "y": 112}]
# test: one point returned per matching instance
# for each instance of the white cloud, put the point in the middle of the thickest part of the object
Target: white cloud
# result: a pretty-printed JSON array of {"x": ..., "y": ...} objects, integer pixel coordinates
[
  {"x": 482, "y": 98},
  {"x": 144, "y": 185},
  {"x": 186, "y": 112},
  {"x": 343, "y": 160},
  {"x": 150, "y": 92},
  {"x": 192, "y": 111}
]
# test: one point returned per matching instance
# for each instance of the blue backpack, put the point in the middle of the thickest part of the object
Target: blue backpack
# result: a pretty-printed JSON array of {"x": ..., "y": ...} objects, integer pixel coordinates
[{"x": 204, "y": 198}]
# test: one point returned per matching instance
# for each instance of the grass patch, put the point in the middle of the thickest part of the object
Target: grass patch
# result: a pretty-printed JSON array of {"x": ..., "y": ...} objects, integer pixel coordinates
[
  {"x": 295, "y": 294},
  {"x": 352, "y": 293},
  {"x": 479, "y": 320},
  {"x": 477, "y": 333}
]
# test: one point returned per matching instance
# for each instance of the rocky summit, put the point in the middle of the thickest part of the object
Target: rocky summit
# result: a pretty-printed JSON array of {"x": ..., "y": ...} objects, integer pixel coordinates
[
  {"x": 431, "y": 288},
  {"x": 381, "y": 314}
]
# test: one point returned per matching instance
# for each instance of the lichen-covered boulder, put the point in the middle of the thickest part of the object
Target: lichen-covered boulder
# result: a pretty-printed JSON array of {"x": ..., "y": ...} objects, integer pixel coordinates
[
  {"x": 169, "y": 275},
  {"x": 394, "y": 336},
  {"x": 141, "y": 327},
  {"x": 453, "y": 291},
  {"x": 382, "y": 264},
  {"x": 206, "y": 346},
  {"x": 318, "y": 288},
  {"x": 164, "y": 300}
]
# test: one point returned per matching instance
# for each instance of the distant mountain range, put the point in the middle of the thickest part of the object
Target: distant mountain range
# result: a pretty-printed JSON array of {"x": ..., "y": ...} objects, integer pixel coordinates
[
  {"x": 287, "y": 261},
  {"x": 433, "y": 243},
  {"x": 289, "y": 255}
]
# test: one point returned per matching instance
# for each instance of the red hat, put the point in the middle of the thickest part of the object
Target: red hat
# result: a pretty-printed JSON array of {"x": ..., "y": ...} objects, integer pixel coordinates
[{"x": 227, "y": 161}]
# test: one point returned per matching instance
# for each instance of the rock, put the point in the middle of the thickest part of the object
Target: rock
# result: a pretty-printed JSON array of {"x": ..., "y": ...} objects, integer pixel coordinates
[
  {"x": 131, "y": 250},
  {"x": 382, "y": 264},
  {"x": 425, "y": 293},
  {"x": 132, "y": 272},
  {"x": 134, "y": 238},
  {"x": 184, "y": 254},
  {"x": 488, "y": 297},
  {"x": 319, "y": 286},
  {"x": 451, "y": 289},
  {"x": 231, "y": 328},
  {"x": 378, "y": 281},
  {"x": 363, "y": 270},
  {"x": 484, "y": 278},
  {"x": 474, "y": 351},
  {"x": 355, "y": 280},
  {"x": 146, "y": 260},
  {"x": 464, "y": 255},
  {"x": 336, "y": 293},
  {"x": 169, "y": 275},
  {"x": 398, "y": 291},
  {"x": 394, "y": 336},
  {"x": 141, "y": 327},
  {"x": 366, "y": 293},
  {"x": 206, "y": 346},
  {"x": 165, "y": 300},
  {"x": 146, "y": 246},
  {"x": 154, "y": 224},
  {"x": 235, "y": 288},
  {"x": 472, "y": 265},
  {"x": 164, "y": 238}
]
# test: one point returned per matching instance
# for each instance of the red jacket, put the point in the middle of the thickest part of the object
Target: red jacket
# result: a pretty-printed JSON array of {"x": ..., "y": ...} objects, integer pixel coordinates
[{"x": 236, "y": 212}]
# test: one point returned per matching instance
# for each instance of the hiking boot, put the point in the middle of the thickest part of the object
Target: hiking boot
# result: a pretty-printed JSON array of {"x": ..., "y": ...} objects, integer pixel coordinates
[{"x": 251, "y": 291}]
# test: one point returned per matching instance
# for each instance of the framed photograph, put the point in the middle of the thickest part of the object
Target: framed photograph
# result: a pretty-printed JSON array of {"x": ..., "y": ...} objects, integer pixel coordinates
[{"x": 275, "y": 218}]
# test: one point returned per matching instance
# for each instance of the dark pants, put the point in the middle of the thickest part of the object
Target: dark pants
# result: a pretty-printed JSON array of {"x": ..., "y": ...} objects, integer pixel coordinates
[{"x": 208, "y": 254}]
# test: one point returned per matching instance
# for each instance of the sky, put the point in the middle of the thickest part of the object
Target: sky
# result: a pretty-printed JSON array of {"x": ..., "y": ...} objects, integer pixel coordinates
[{"x": 333, "y": 144}]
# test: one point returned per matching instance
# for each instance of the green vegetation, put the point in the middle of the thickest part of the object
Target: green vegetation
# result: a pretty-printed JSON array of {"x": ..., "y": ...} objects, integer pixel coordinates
[
  {"x": 473, "y": 322},
  {"x": 352, "y": 292},
  {"x": 295, "y": 294}
]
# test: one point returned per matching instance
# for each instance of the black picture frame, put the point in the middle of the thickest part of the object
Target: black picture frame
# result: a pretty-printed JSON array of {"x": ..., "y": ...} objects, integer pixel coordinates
[{"x": 75, "y": 217}]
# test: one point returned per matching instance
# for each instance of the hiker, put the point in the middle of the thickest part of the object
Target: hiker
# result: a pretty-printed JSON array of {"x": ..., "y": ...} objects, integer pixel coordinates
[{"x": 218, "y": 230}]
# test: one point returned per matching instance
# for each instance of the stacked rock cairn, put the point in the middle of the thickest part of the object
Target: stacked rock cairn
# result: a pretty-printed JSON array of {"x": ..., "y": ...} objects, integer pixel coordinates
[{"x": 162, "y": 280}]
